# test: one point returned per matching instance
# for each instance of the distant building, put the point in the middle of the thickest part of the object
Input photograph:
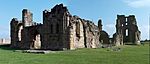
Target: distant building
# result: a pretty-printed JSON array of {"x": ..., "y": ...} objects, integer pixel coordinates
[{"x": 4, "y": 41}]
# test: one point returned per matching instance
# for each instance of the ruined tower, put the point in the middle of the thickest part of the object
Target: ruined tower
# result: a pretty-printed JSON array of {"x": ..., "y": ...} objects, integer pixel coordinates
[
  {"x": 55, "y": 21},
  {"x": 16, "y": 28},
  {"x": 27, "y": 18},
  {"x": 100, "y": 25},
  {"x": 104, "y": 37},
  {"x": 133, "y": 31},
  {"x": 126, "y": 30}
]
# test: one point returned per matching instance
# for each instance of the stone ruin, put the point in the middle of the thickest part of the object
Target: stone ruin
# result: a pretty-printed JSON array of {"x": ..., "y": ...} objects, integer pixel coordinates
[
  {"x": 126, "y": 30},
  {"x": 104, "y": 37},
  {"x": 60, "y": 31}
]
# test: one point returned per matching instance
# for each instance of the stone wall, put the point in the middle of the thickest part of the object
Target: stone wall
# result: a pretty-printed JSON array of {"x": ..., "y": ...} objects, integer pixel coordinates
[
  {"x": 91, "y": 34},
  {"x": 55, "y": 24},
  {"x": 60, "y": 30},
  {"x": 73, "y": 31},
  {"x": 76, "y": 33},
  {"x": 27, "y": 18},
  {"x": 83, "y": 34},
  {"x": 103, "y": 37},
  {"x": 126, "y": 30},
  {"x": 16, "y": 32}
]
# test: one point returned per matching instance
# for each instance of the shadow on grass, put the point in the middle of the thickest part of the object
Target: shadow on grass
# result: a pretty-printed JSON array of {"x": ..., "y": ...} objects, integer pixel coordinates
[
  {"x": 130, "y": 43},
  {"x": 7, "y": 47}
]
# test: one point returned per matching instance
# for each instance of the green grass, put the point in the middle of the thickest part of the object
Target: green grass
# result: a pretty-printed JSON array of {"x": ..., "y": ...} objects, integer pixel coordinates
[{"x": 129, "y": 54}]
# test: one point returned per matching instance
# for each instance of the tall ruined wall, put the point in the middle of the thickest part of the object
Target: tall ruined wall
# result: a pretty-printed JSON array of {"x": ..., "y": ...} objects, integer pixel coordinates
[
  {"x": 100, "y": 25},
  {"x": 23, "y": 33},
  {"x": 76, "y": 33},
  {"x": 91, "y": 34},
  {"x": 55, "y": 25},
  {"x": 16, "y": 32},
  {"x": 133, "y": 31},
  {"x": 73, "y": 32},
  {"x": 118, "y": 36},
  {"x": 126, "y": 30},
  {"x": 60, "y": 30},
  {"x": 103, "y": 35},
  {"x": 83, "y": 34},
  {"x": 27, "y": 18},
  {"x": 31, "y": 37}
]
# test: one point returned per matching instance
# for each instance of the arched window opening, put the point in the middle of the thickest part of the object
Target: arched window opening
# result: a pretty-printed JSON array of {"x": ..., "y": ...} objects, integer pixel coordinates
[
  {"x": 19, "y": 33},
  {"x": 37, "y": 41},
  {"x": 126, "y": 32}
]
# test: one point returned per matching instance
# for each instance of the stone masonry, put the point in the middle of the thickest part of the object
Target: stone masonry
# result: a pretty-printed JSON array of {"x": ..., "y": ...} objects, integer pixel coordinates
[
  {"x": 60, "y": 30},
  {"x": 126, "y": 30},
  {"x": 104, "y": 37}
]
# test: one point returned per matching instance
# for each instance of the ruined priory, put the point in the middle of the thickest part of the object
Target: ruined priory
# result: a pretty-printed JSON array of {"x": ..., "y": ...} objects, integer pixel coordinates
[{"x": 60, "y": 30}]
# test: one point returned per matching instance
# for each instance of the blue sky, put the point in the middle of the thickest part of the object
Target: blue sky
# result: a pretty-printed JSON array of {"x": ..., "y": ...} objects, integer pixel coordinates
[{"x": 106, "y": 10}]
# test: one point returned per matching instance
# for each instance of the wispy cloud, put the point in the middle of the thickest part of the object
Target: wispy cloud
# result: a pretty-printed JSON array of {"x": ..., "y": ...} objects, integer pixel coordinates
[
  {"x": 109, "y": 28},
  {"x": 144, "y": 31},
  {"x": 138, "y": 3},
  {"x": 110, "y": 25}
]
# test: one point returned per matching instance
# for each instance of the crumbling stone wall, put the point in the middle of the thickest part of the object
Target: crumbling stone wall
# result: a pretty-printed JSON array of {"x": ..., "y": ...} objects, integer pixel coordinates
[
  {"x": 31, "y": 38},
  {"x": 76, "y": 33},
  {"x": 126, "y": 30},
  {"x": 16, "y": 31},
  {"x": 54, "y": 35},
  {"x": 60, "y": 30},
  {"x": 91, "y": 34},
  {"x": 27, "y": 18},
  {"x": 74, "y": 30},
  {"x": 23, "y": 32},
  {"x": 103, "y": 37}
]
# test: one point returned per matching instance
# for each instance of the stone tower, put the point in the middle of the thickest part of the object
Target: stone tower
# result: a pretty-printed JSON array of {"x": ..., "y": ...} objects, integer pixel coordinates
[
  {"x": 126, "y": 30},
  {"x": 27, "y": 18},
  {"x": 16, "y": 32},
  {"x": 55, "y": 21},
  {"x": 104, "y": 37},
  {"x": 100, "y": 25},
  {"x": 133, "y": 34}
]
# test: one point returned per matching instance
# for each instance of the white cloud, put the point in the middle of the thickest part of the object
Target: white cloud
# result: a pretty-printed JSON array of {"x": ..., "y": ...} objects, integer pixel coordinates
[
  {"x": 138, "y": 3},
  {"x": 110, "y": 25},
  {"x": 144, "y": 31},
  {"x": 110, "y": 29}
]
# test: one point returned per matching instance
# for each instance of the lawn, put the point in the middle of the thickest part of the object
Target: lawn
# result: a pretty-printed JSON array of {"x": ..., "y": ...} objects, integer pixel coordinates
[{"x": 129, "y": 54}]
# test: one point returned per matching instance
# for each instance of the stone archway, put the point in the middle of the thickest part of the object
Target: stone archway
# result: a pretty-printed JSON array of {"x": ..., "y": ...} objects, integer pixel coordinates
[
  {"x": 20, "y": 32},
  {"x": 104, "y": 37},
  {"x": 37, "y": 41}
]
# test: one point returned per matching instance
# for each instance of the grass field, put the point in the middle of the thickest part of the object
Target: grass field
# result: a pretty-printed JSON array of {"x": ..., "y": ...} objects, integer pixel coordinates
[{"x": 129, "y": 54}]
